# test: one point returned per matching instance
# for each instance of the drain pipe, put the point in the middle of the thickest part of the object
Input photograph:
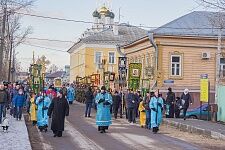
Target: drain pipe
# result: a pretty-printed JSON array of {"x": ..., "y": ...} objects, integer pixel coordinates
[
  {"x": 118, "y": 48},
  {"x": 151, "y": 39}
]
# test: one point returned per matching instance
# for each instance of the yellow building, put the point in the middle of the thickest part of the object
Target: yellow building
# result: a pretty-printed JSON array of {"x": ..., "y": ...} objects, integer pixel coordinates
[
  {"x": 101, "y": 43},
  {"x": 182, "y": 50}
]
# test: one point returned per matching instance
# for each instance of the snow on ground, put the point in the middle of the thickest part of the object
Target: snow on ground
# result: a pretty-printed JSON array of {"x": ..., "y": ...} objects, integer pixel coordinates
[{"x": 17, "y": 137}]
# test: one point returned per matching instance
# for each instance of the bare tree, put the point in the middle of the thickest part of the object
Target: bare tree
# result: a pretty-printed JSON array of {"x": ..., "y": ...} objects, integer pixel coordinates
[
  {"x": 218, "y": 5},
  {"x": 53, "y": 68},
  {"x": 12, "y": 33}
]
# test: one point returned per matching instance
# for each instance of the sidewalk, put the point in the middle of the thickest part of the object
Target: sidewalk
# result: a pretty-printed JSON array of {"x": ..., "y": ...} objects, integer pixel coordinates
[
  {"x": 17, "y": 137},
  {"x": 205, "y": 128}
]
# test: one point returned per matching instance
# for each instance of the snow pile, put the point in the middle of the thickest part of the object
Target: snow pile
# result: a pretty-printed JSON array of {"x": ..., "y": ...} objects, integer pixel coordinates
[{"x": 17, "y": 136}]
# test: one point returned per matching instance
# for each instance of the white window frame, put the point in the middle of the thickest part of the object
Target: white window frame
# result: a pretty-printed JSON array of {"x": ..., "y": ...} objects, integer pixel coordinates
[
  {"x": 175, "y": 70},
  {"x": 114, "y": 57},
  {"x": 222, "y": 66},
  {"x": 100, "y": 58}
]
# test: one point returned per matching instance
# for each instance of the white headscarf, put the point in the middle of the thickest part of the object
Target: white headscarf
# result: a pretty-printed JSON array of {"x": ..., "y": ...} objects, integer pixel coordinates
[{"x": 186, "y": 91}]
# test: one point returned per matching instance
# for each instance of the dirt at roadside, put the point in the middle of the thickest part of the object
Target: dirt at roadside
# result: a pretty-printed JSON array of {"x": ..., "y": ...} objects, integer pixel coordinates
[
  {"x": 204, "y": 142},
  {"x": 33, "y": 134}
]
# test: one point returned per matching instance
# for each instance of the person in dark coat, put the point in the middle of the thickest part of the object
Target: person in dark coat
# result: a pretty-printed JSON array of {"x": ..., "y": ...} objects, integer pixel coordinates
[
  {"x": 116, "y": 103},
  {"x": 147, "y": 110},
  {"x": 178, "y": 107},
  {"x": 185, "y": 100},
  {"x": 58, "y": 109},
  {"x": 137, "y": 102},
  {"x": 131, "y": 103},
  {"x": 88, "y": 101},
  {"x": 3, "y": 100},
  {"x": 170, "y": 101}
]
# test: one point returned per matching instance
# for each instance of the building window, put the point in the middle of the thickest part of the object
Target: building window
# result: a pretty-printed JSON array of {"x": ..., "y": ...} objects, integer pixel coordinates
[
  {"x": 176, "y": 65},
  {"x": 111, "y": 57},
  {"x": 98, "y": 57},
  {"x": 222, "y": 67},
  {"x": 147, "y": 60}
]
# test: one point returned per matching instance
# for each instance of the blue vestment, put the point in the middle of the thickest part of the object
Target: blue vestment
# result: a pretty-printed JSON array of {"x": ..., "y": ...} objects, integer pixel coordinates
[
  {"x": 156, "y": 105},
  {"x": 42, "y": 117},
  {"x": 70, "y": 94},
  {"x": 103, "y": 117}
]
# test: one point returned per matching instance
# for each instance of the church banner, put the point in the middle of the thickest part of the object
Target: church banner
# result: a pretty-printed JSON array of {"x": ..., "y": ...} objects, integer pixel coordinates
[
  {"x": 122, "y": 69},
  {"x": 134, "y": 75}
]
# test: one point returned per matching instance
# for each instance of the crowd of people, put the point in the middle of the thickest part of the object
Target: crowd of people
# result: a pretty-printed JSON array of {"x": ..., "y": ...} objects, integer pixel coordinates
[
  {"x": 149, "y": 109},
  {"x": 49, "y": 103},
  {"x": 53, "y": 103}
]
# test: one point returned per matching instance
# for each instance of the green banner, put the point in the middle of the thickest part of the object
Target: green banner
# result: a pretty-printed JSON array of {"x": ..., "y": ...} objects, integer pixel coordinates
[{"x": 134, "y": 75}]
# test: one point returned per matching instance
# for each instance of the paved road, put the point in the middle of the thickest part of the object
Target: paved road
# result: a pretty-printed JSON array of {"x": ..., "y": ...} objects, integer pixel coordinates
[{"x": 81, "y": 133}]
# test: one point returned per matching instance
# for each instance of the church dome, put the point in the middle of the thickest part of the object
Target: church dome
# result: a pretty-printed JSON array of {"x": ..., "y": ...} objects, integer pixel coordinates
[
  {"x": 96, "y": 14},
  {"x": 108, "y": 13},
  {"x": 112, "y": 15},
  {"x": 103, "y": 10}
]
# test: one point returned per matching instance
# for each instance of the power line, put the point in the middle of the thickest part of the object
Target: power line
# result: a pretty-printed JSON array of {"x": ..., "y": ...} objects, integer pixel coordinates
[
  {"x": 213, "y": 4},
  {"x": 52, "y": 49},
  {"x": 58, "y": 50},
  {"x": 53, "y": 18},
  {"x": 90, "y": 22},
  {"x": 50, "y": 40}
]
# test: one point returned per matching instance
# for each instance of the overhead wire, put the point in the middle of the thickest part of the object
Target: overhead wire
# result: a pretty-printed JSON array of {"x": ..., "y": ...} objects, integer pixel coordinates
[
  {"x": 58, "y": 50},
  {"x": 91, "y": 22}
]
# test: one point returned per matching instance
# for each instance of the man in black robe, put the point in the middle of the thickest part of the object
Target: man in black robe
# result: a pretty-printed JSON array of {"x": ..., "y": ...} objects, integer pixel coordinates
[
  {"x": 170, "y": 100},
  {"x": 58, "y": 109},
  {"x": 116, "y": 103}
]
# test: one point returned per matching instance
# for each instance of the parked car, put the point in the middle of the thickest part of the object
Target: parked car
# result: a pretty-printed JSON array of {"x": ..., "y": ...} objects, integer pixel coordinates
[{"x": 195, "y": 113}]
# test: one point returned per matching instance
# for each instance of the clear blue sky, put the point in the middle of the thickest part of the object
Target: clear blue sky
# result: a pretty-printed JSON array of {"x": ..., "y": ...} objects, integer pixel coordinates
[{"x": 152, "y": 13}]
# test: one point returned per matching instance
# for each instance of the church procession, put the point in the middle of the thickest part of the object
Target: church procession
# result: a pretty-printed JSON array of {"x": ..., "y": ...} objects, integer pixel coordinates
[{"x": 126, "y": 87}]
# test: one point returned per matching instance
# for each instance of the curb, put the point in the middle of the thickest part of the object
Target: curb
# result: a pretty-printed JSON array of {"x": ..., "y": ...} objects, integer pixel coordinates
[{"x": 194, "y": 130}]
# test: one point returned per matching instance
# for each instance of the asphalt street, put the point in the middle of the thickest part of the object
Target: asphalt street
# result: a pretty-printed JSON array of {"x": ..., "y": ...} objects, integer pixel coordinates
[{"x": 81, "y": 134}]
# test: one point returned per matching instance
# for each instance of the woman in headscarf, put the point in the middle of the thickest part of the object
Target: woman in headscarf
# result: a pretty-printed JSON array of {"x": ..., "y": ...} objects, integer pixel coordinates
[
  {"x": 186, "y": 100},
  {"x": 142, "y": 113},
  {"x": 33, "y": 109}
]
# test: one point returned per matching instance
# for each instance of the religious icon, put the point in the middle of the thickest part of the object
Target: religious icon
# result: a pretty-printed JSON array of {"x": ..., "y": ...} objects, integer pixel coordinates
[
  {"x": 135, "y": 72},
  {"x": 112, "y": 77},
  {"x": 122, "y": 62}
]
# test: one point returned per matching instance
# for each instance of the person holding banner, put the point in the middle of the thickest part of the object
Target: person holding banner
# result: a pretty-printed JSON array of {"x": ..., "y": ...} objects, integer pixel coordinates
[{"x": 156, "y": 106}]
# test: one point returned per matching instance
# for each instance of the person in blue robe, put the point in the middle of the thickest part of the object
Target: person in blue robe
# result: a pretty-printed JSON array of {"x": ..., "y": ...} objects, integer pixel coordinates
[
  {"x": 42, "y": 103},
  {"x": 156, "y": 106},
  {"x": 70, "y": 94},
  {"x": 103, "y": 117}
]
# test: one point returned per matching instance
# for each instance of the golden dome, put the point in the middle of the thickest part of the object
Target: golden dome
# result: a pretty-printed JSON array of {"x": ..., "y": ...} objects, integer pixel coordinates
[{"x": 103, "y": 10}]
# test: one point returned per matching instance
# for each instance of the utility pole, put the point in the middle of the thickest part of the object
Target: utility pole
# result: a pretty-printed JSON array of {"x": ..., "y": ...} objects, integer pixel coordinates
[
  {"x": 10, "y": 58},
  {"x": 2, "y": 46},
  {"x": 218, "y": 56},
  {"x": 10, "y": 51},
  {"x": 13, "y": 68}
]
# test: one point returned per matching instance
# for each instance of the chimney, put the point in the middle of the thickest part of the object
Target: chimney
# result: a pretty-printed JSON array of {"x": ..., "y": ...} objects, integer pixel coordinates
[{"x": 115, "y": 29}]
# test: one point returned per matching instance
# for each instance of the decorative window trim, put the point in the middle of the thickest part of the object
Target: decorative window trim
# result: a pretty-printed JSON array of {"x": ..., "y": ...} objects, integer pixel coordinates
[{"x": 181, "y": 55}]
